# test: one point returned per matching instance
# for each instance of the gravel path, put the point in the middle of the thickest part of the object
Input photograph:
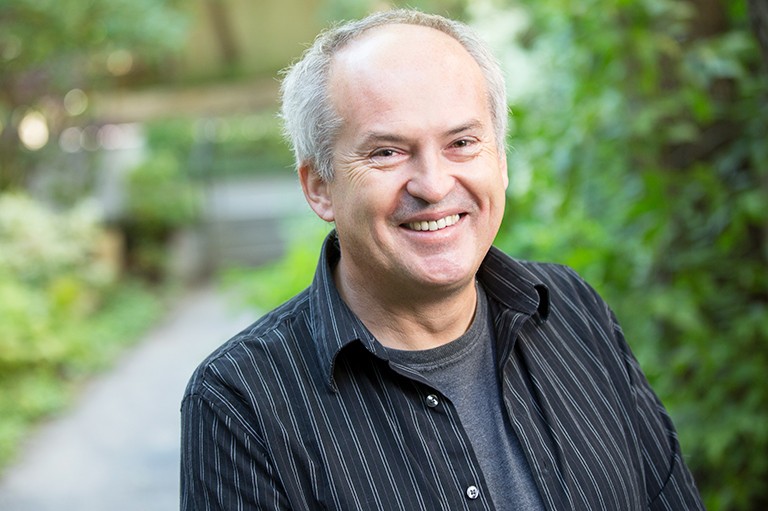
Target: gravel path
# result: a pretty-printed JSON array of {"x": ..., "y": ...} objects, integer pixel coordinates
[{"x": 118, "y": 447}]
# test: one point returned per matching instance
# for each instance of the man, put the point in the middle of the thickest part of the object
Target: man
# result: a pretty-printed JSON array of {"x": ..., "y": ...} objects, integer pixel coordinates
[{"x": 422, "y": 369}]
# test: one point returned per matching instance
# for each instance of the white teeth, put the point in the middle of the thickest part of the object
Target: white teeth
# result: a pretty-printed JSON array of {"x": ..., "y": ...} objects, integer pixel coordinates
[{"x": 434, "y": 225}]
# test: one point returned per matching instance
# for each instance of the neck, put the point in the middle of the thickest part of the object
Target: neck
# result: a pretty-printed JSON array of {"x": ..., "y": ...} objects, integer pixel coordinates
[{"x": 415, "y": 320}]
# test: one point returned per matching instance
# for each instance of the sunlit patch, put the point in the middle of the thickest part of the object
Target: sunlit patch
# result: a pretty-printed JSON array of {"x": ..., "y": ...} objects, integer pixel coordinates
[{"x": 33, "y": 130}]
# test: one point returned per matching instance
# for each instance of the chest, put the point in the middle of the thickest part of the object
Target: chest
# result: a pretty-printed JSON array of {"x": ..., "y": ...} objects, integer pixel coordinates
[{"x": 386, "y": 441}]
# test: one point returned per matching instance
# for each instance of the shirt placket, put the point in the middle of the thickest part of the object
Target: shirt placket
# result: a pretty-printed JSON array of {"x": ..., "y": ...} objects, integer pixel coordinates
[
  {"x": 529, "y": 430},
  {"x": 461, "y": 480}
]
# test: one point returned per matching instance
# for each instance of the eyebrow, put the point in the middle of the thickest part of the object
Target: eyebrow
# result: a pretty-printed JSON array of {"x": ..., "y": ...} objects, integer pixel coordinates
[
  {"x": 469, "y": 126},
  {"x": 375, "y": 137}
]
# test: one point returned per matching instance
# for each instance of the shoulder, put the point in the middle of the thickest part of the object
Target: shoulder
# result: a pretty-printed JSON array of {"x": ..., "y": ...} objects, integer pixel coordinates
[
  {"x": 563, "y": 282},
  {"x": 557, "y": 275},
  {"x": 529, "y": 272},
  {"x": 581, "y": 319},
  {"x": 573, "y": 306}
]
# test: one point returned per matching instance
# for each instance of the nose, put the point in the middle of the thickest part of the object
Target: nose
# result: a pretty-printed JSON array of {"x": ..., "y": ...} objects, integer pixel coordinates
[{"x": 431, "y": 179}]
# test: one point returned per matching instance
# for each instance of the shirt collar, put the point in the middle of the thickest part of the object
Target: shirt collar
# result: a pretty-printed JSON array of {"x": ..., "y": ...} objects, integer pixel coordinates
[
  {"x": 334, "y": 326},
  {"x": 514, "y": 285}
]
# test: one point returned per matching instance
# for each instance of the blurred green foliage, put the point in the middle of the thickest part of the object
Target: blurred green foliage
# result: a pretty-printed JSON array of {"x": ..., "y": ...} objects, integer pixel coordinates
[
  {"x": 49, "y": 47},
  {"x": 64, "y": 309},
  {"x": 224, "y": 147},
  {"x": 161, "y": 199},
  {"x": 160, "y": 196},
  {"x": 62, "y": 312},
  {"x": 37, "y": 33},
  {"x": 270, "y": 285},
  {"x": 638, "y": 156}
]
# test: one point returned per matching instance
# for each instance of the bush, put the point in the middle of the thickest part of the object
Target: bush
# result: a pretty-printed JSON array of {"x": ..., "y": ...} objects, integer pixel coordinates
[
  {"x": 160, "y": 196},
  {"x": 59, "y": 254},
  {"x": 62, "y": 313},
  {"x": 161, "y": 199}
]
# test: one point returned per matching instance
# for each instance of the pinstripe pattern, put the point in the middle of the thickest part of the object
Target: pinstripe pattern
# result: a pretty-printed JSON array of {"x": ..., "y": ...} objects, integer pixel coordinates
[{"x": 303, "y": 411}]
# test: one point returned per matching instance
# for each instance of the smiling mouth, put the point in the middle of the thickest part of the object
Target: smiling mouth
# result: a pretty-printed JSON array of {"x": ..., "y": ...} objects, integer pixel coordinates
[{"x": 433, "y": 225}]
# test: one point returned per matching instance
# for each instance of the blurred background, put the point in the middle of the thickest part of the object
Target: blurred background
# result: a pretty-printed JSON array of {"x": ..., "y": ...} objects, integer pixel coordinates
[{"x": 141, "y": 160}]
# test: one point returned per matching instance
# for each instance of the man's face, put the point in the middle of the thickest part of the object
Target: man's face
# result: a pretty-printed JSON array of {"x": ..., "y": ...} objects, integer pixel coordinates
[{"x": 419, "y": 186}]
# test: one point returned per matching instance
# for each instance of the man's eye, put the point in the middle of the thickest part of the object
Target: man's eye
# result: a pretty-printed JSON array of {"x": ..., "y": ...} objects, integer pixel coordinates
[
  {"x": 464, "y": 142},
  {"x": 383, "y": 153}
]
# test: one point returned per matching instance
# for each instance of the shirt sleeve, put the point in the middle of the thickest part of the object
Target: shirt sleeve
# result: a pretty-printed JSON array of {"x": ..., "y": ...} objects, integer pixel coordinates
[
  {"x": 669, "y": 483},
  {"x": 223, "y": 467}
]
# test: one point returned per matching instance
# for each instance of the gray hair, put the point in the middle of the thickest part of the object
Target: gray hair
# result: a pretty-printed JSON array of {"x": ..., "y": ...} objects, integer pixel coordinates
[{"x": 310, "y": 122}]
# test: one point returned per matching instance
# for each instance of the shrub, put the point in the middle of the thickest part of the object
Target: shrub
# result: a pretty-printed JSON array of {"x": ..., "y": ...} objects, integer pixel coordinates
[
  {"x": 61, "y": 312},
  {"x": 161, "y": 199}
]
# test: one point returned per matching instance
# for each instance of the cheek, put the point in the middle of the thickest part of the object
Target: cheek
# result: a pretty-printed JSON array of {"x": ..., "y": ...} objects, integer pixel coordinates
[
  {"x": 379, "y": 192},
  {"x": 499, "y": 178},
  {"x": 487, "y": 182},
  {"x": 361, "y": 202}
]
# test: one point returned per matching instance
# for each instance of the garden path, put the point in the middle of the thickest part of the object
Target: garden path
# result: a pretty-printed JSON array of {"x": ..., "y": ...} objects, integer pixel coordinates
[{"x": 117, "y": 449}]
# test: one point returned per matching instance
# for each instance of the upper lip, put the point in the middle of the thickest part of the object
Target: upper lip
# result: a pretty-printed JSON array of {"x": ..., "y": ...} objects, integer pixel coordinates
[{"x": 430, "y": 217}]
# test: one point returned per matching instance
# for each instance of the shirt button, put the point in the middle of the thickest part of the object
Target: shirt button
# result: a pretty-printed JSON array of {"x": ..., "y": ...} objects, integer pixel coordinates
[
  {"x": 432, "y": 401},
  {"x": 473, "y": 492}
]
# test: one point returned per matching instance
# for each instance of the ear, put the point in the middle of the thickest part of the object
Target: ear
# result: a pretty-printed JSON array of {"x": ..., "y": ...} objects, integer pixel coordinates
[
  {"x": 504, "y": 169},
  {"x": 316, "y": 191}
]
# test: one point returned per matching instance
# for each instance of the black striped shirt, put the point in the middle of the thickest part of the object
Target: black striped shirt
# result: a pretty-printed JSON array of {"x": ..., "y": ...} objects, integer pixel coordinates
[{"x": 303, "y": 411}]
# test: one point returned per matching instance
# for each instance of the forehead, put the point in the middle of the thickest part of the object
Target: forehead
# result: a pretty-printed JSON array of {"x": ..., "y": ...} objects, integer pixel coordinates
[
  {"x": 401, "y": 47},
  {"x": 402, "y": 69}
]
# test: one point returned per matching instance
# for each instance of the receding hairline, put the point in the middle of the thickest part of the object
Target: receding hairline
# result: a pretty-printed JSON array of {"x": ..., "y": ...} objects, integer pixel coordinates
[
  {"x": 372, "y": 31},
  {"x": 452, "y": 47},
  {"x": 353, "y": 43},
  {"x": 340, "y": 34}
]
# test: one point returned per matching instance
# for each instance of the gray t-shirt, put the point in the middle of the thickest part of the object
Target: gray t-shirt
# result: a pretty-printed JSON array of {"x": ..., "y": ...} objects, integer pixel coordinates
[{"x": 465, "y": 372}]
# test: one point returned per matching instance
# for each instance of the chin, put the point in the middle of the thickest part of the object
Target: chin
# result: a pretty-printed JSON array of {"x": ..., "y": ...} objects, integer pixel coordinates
[{"x": 450, "y": 276}]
